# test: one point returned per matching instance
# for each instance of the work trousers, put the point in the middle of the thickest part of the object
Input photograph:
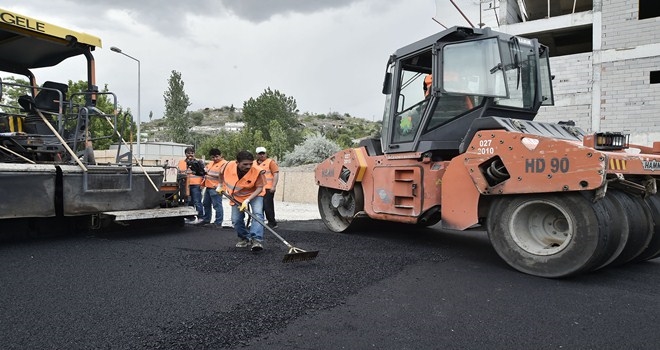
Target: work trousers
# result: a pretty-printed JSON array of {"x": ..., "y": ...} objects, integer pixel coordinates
[{"x": 269, "y": 208}]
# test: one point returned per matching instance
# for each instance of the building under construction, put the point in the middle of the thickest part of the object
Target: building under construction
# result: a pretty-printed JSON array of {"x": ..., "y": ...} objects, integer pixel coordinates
[{"x": 605, "y": 56}]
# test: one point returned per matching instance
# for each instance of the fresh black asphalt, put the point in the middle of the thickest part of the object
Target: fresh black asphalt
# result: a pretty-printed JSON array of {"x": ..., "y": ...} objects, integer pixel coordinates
[{"x": 391, "y": 287}]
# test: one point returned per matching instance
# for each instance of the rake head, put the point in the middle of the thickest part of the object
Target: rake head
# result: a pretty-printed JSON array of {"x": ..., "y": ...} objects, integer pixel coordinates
[{"x": 297, "y": 254}]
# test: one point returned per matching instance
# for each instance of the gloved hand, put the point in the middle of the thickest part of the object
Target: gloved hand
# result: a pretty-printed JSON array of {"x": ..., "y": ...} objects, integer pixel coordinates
[
  {"x": 220, "y": 190},
  {"x": 244, "y": 205}
]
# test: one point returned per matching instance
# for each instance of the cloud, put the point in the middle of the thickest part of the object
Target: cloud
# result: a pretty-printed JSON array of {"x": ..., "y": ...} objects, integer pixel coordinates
[
  {"x": 262, "y": 10},
  {"x": 328, "y": 55},
  {"x": 169, "y": 17}
]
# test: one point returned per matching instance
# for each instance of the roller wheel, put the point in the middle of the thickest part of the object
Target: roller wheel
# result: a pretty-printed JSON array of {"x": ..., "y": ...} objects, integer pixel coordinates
[
  {"x": 640, "y": 226},
  {"x": 548, "y": 235},
  {"x": 613, "y": 226},
  {"x": 652, "y": 251},
  {"x": 338, "y": 208}
]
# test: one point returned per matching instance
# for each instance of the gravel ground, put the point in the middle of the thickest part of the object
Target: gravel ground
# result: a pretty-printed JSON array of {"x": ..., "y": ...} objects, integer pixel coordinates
[
  {"x": 287, "y": 211},
  {"x": 284, "y": 211}
]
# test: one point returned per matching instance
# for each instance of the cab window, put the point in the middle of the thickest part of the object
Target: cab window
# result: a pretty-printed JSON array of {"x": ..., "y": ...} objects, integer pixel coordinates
[{"x": 412, "y": 96}]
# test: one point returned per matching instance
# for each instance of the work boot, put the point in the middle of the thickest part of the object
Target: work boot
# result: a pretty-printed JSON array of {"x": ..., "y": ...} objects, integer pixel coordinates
[
  {"x": 243, "y": 243},
  {"x": 256, "y": 246}
]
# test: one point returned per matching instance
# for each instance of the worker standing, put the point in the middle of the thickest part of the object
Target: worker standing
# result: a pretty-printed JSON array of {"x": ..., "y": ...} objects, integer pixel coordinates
[
  {"x": 245, "y": 183},
  {"x": 211, "y": 180},
  {"x": 194, "y": 170},
  {"x": 272, "y": 175}
]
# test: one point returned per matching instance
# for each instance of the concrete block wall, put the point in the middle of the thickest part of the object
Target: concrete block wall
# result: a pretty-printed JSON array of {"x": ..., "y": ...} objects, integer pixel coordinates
[
  {"x": 609, "y": 89},
  {"x": 621, "y": 27},
  {"x": 572, "y": 90},
  {"x": 297, "y": 186},
  {"x": 629, "y": 101}
]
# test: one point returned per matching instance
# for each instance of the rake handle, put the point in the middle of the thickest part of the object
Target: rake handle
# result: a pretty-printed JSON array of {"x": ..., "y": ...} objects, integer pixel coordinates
[{"x": 255, "y": 218}]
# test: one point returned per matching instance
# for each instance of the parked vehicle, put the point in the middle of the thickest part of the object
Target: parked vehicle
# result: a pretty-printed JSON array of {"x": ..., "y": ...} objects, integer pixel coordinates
[
  {"x": 49, "y": 180},
  {"x": 555, "y": 200}
]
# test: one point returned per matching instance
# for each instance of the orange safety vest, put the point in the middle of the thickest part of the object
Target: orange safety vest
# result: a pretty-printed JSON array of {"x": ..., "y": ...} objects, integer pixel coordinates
[
  {"x": 270, "y": 177},
  {"x": 242, "y": 188},
  {"x": 212, "y": 178},
  {"x": 192, "y": 178}
]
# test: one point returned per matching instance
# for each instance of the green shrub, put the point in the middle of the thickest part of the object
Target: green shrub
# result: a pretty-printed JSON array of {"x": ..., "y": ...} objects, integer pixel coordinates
[{"x": 314, "y": 149}]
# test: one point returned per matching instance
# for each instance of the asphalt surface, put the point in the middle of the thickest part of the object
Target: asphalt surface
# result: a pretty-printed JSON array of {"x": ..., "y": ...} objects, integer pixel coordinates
[{"x": 394, "y": 287}]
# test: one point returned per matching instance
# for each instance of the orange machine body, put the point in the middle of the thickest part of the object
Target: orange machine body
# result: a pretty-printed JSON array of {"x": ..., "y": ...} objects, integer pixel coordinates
[{"x": 403, "y": 187}]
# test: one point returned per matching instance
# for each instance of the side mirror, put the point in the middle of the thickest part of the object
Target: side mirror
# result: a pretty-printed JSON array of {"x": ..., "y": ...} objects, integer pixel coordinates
[{"x": 387, "y": 84}]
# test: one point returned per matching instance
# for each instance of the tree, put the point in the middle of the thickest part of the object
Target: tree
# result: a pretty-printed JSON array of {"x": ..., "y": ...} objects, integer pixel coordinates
[
  {"x": 151, "y": 115},
  {"x": 273, "y": 106},
  {"x": 11, "y": 93},
  {"x": 178, "y": 122},
  {"x": 101, "y": 131},
  {"x": 278, "y": 140}
]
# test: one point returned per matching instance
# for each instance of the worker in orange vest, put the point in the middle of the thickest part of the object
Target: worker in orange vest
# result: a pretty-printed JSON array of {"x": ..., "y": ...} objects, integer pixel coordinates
[
  {"x": 245, "y": 183},
  {"x": 194, "y": 170},
  {"x": 428, "y": 81},
  {"x": 272, "y": 176},
  {"x": 210, "y": 183}
]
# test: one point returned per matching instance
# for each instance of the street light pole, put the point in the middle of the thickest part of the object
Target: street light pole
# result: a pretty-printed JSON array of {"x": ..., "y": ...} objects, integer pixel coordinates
[{"x": 118, "y": 50}]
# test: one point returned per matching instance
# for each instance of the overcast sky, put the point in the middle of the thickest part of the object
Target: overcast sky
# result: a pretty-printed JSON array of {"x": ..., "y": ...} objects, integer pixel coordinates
[{"x": 329, "y": 55}]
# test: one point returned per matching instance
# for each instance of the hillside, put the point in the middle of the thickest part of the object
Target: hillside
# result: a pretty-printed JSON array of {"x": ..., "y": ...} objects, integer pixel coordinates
[{"x": 343, "y": 129}]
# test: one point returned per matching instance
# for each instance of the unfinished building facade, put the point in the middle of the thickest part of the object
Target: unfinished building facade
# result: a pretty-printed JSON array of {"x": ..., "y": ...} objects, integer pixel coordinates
[{"x": 605, "y": 56}]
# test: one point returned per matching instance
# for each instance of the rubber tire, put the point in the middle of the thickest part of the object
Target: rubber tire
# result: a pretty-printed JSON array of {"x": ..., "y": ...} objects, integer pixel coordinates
[
  {"x": 583, "y": 251},
  {"x": 652, "y": 251},
  {"x": 614, "y": 228},
  {"x": 640, "y": 226}
]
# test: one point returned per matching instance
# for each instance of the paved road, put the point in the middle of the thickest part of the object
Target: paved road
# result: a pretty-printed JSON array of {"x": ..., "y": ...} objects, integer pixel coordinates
[{"x": 189, "y": 288}]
